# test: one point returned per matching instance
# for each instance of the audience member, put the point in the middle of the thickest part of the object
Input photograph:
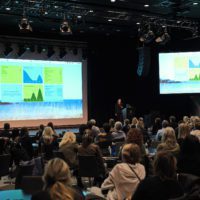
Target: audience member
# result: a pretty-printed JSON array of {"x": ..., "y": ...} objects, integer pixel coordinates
[
  {"x": 172, "y": 122},
  {"x": 160, "y": 132},
  {"x": 189, "y": 158},
  {"x": 156, "y": 126},
  {"x": 162, "y": 186},
  {"x": 125, "y": 177},
  {"x": 57, "y": 182},
  {"x": 81, "y": 132},
  {"x": 92, "y": 126},
  {"x": 6, "y": 131},
  {"x": 196, "y": 131},
  {"x": 26, "y": 141},
  {"x": 118, "y": 134},
  {"x": 134, "y": 122},
  {"x": 183, "y": 131},
  {"x": 112, "y": 124},
  {"x": 50, "y": 124},
  {"x": 69, "y": 148},
  {"x": 88, "y": 148},
  {"x": 169, "y": 142},
  {"x": 39, "y": 132},
  {"x": 126, "y": 126}
]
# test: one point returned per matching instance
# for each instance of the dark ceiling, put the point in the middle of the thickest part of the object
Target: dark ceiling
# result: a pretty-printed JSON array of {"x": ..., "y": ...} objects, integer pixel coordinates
[{"x": 96, "y": 17}]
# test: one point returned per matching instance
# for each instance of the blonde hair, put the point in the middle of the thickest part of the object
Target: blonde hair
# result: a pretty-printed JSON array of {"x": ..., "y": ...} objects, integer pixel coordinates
[
  {"x": 183, "y": 130},
  {"x": 57, "y": 180},
  {"x": 169, "y": 136},
  {"x": 47, "y": 135},
  {"x": 69, "y": 137},
  {"x": 134, "y": 121}
]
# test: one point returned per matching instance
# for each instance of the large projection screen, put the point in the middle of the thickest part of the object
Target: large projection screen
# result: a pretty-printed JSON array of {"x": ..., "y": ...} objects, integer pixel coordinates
[
  {"x": 179, "y": 73},
  {"x": 33, "y": 92}
]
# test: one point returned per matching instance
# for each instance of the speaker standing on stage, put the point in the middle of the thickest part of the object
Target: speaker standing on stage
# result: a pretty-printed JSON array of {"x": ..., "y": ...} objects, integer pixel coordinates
[{"x": 118, "y": 110}]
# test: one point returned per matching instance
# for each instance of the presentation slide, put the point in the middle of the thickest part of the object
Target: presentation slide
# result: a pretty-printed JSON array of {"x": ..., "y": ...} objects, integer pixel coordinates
[
  {"x": 179, "y": 73},
  {"x": 38, "y": 90}
]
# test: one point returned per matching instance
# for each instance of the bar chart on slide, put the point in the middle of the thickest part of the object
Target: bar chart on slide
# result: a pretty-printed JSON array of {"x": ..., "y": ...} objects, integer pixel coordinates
[{"x": 40, "y": 89}]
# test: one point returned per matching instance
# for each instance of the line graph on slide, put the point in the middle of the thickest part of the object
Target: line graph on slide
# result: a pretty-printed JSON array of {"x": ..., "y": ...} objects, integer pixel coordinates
[{"x": 32, "y": 75}]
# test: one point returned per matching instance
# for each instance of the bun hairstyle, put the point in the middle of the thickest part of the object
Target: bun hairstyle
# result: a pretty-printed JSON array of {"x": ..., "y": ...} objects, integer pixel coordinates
[
  {"x": 57, "y": 180},
  {"x": 131, "y": 153}
]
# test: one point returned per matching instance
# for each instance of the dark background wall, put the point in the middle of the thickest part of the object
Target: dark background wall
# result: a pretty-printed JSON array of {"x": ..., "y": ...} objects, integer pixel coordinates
[{"x": 112, "y": 73}]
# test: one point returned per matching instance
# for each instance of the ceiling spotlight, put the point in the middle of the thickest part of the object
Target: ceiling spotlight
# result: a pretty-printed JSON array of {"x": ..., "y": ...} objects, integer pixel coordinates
[
  {"x": 195, "y": 3},
  {"x": 91, "y": 11},
  {"x": 8, "y": 8},
  {"x": 24, "y": 25},
  {"x": 164, "y": 38},
  {"x": 146, "y": 5},
  {"x": 110, "y": 20},
  {"x": 65, "y": 28},
  {"x": 112, "y": 1}
]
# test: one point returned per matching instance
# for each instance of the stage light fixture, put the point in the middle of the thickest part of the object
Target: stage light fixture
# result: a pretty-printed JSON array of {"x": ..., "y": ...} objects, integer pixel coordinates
[
  {"x": 65, "y": 28},
  {"x": 24, "y": 25}
]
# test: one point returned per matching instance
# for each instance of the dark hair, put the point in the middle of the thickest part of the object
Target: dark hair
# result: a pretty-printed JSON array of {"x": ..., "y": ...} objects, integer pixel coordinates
[
  {"x": 112, "y": 122},
  {"x": 51, "y": 125},
  {"x": 86, "y": 140},
  {"x": 134, "y": 135},
  {"x": 131, "y": 153},
  {"x": 165, "y": 165},
  {"x": 106, "y": 127},
  {"x": 172, "y": 118},
  {"x": 15, "y": 133},
  {"x": 165, "y": 123},
  {"x": 190, "y": 145},
  {"x": 24, "y": 131},
  {"x": 6, "y": 126},
  {"x": 82, "y": 128},
  {"x": 42, "y": 127}
]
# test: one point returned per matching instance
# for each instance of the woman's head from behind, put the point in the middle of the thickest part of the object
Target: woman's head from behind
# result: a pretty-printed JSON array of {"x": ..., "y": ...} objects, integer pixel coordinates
[
  {"x": 131, "y": 153},
  {"x": 169, "y": 136},
  {"x": 57, "y": 178},
  {"x": 165, "y": 165},
  {"x": 134, "y": 135},
  {"x": 87, "y": 139},
  {"x": 69, "y": 137},
  {"x": 183, "y": 130},
  {"x": 190, "y": 146}
]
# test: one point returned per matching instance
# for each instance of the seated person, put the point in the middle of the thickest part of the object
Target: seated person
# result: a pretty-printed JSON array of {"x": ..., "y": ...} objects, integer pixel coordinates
[
  {"x": 6, "y": 131},
  {"x": 189, "y": 158},
  {"x": 169, "y": 142},
  {"x": 118, "y": 135},
  {"x": 164, "y": 184},
  {"x": 125, "y": 177},
  {"x": 57, "y": 182},
  {"x": 69, "y": 148},
  {"x": 87, "y": 148},
  {"x": 160, "y": 132}
]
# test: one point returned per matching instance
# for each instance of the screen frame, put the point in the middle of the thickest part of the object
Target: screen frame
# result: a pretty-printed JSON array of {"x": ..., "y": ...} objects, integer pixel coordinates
[
  {"x": 174, "y": 94},
  {"x": 62, "y": 121}
]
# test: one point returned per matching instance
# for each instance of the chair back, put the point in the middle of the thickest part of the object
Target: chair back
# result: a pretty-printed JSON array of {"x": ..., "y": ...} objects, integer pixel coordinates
[
  {"x": 4, "y": 164},
  {"x": 2, "y": 145},
  {"x": 118, "y": 146},
  {"x": 88, "y": 166},
  {"x": 31, "y": 184},
  {"x": 23, "y": 170}
]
